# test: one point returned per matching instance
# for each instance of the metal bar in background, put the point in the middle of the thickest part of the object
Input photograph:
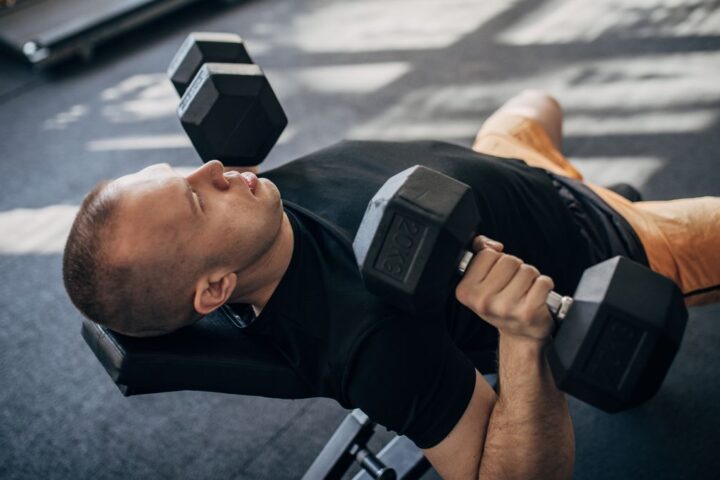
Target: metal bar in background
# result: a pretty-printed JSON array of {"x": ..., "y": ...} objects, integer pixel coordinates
[{"x": 45, "y": 32}]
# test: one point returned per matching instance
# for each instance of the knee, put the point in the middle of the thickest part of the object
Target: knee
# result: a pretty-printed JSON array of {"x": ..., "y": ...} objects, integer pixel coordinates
[
  {"x": 541, "y": 97},
  {"x": 542, "y": 105}
]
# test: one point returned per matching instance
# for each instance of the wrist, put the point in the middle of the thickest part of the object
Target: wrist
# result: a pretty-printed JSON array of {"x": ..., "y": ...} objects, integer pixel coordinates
[
  {"x": 528, "y": 345},
  {"x": 523, "y": 357}
]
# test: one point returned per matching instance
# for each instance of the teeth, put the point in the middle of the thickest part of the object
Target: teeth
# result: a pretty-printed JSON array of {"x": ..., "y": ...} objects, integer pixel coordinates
[
  {"x": 250, "y": 180},
  {"x": 248, "y": 177}
]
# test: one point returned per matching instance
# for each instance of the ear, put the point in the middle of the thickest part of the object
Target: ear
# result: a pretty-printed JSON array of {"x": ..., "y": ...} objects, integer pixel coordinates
[{"x": 213, "y": 290}]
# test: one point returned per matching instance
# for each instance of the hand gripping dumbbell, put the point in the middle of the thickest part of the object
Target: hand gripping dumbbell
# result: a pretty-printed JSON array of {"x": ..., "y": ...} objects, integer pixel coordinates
[
  {"x": 228, "y": 108},
  {"x": 618, "y": 334}
]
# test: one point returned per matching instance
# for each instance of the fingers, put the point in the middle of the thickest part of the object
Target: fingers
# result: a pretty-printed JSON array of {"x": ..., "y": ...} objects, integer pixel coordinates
[
  {"x": 481, "y": 241},
  {"x": 480, "y": 266},
  {"x": 520, "y": 283},
  {"x": 538, "y": 292},
  {"x": 489, "y": 272},
  {"x": 503, "y": 272},
  {"x": 532, "y": 316},
  {"x": 508, "y": 293}
]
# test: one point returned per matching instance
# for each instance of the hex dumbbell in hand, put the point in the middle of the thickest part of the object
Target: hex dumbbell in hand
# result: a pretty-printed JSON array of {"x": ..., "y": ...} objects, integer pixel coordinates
[
  {"x": 506, "y": 292},
  {"x": 621, "y": 330}
]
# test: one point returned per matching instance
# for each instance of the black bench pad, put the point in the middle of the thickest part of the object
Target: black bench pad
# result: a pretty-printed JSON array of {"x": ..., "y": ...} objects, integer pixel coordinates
[{"x": 212, "y": 355}]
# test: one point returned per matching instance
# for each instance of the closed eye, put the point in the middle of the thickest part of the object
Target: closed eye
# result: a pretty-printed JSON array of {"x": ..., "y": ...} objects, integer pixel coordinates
[
  {"x": 199, "y": 199},
  {"x": 193, "y": 197}
]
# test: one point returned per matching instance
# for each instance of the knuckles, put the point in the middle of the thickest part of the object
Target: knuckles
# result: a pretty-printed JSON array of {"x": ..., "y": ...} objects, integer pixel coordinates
[
  {"x": 530, "y": 270},
  {"x": 488, "y": 254},
  {"x": 473, "y": 299},
  {"x": 513, "y": 314},
  {"x": 461, "y": 292},
  {"x": 545, "y": 281},
  {"x": 527, "y": 316},
  {"x": 481, "y": 305},
  {"x": 511, "y": 260},
  {"x": 466, "y": 294},
  {"x": 500, "y": 308}
]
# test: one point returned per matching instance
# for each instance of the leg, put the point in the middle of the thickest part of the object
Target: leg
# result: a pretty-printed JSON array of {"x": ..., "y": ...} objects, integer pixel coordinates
[
  {"x": 528, "y": 127},
  {"x": 681, "y": 238},
  {"x": 541, "y": 107}
]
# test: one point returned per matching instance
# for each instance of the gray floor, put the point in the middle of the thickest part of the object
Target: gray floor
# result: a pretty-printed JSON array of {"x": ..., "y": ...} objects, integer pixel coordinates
[{"x": 639, "y": 80}]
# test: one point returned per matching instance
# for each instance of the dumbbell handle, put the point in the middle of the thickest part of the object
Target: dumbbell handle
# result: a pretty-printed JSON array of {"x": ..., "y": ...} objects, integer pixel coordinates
[{"x": 558, "y": 304}]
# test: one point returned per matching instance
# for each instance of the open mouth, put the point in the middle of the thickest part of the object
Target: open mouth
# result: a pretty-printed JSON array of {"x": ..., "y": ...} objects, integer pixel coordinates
[{"x": 249, "y": 178}]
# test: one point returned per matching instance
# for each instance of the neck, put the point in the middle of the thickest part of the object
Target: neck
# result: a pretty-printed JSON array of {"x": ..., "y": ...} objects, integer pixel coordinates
[{"x": 264, "y": 275}]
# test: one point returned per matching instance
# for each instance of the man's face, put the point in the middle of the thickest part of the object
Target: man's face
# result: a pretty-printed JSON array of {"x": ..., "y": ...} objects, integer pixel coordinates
[{"x": 203, "y": 218}]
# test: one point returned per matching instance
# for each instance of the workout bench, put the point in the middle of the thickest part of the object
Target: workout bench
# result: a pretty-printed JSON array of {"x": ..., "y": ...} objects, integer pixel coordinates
[{"x": 215, "y": 355}]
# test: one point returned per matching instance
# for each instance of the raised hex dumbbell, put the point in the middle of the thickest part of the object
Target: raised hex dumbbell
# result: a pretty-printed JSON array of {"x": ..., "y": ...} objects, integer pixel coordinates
[
  {"x": 619, "y": 333},
  {"x": 228, "y": 108},
  {"x": 204, "y": 47}
]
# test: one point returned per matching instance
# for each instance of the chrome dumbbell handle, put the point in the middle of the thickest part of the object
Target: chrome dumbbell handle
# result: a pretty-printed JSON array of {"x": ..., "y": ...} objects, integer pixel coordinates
[{"x": 558, "y": 304}]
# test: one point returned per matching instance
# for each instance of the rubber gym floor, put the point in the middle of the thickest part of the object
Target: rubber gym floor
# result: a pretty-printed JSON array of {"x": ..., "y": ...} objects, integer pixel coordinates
[{"x": 639, "y": 82}]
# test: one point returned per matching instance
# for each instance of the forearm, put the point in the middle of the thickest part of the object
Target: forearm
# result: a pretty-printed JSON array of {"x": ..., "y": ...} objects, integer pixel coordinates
[{"x": 530, "y": 433}]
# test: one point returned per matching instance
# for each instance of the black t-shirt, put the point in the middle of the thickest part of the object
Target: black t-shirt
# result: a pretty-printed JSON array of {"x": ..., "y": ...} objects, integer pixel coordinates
[
  {"x": 519, "y": 205},
  {"x": 404, "y": 371},
  {"x": 412, "y": 373}
]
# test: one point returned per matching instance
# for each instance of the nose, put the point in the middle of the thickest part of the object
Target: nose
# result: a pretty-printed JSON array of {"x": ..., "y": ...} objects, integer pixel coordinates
[{"x": 211, "y": 174}]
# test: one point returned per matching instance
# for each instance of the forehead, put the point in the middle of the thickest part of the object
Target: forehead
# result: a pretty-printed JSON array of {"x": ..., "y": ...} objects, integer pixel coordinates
[
  {"x": 152, "y": 208},
  {"x": 152, "y": 177},
  {"x": 156, "y": 189}
]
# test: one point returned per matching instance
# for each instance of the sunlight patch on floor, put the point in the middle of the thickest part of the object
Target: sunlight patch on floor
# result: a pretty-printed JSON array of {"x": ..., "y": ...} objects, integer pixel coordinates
[
  {"x": 35, "y": 231},
  {"x": 375, "y": 25},
  {"x": 562, "y": 22}
]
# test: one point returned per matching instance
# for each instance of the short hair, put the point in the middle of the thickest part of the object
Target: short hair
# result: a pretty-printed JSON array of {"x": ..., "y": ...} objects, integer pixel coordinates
[{"x": 129, "y": 297}]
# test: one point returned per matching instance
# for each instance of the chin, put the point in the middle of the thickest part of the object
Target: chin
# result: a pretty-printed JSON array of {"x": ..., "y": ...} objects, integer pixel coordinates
[
  {"x": 269, "y": 187},
  {"x": 274, "y": 197}
]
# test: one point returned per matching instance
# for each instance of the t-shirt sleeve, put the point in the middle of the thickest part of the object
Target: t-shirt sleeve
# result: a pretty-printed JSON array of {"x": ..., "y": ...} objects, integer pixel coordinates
[{"x": 411, "y": 378}]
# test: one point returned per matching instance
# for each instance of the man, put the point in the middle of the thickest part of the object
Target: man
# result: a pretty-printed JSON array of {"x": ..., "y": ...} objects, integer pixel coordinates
[{"x": 154, "y": 251}]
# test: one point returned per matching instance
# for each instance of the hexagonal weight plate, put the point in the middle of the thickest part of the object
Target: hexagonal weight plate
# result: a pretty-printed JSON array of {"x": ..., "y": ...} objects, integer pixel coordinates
[
  {"x": 204, "y": 47},
  {"x": 231, "y": 113},
  {"x": 620, "y": 336},
  {"x": 412, "y": 236}
]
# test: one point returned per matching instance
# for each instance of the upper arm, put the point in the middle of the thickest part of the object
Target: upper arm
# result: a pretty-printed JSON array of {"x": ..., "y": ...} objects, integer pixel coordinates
[
  {"x": 413, "y": 379},
  {"x": 458, "y": 455}
]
